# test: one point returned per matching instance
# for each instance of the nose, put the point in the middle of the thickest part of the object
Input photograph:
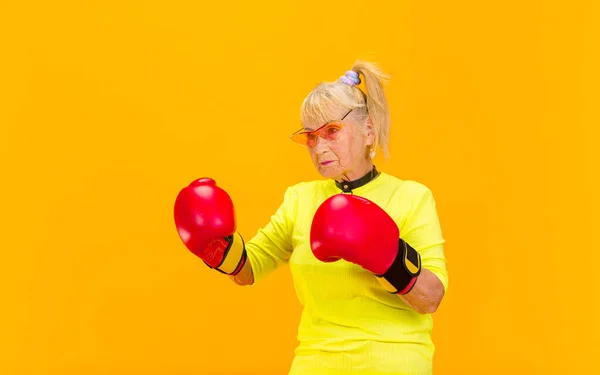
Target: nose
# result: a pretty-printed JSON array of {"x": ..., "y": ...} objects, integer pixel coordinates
[{"x": 320, "y": 144}]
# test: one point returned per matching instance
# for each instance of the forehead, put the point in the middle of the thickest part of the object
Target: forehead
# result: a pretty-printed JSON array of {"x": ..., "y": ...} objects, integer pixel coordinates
[{"x": 321, "y": 119}]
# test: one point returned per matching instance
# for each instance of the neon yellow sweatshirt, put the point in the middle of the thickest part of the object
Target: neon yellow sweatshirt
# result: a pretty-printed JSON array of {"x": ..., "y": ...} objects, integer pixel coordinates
[{"x": 349, "y": 323}]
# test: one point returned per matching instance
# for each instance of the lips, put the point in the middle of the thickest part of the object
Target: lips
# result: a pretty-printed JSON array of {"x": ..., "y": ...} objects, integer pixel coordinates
[{"x": 327, "y": 162}]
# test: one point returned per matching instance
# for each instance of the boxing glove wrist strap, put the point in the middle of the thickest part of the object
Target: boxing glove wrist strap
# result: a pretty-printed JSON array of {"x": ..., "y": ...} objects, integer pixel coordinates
[
  {"x": 234, "y": 256},
  {"x": 402, "y": 275}
]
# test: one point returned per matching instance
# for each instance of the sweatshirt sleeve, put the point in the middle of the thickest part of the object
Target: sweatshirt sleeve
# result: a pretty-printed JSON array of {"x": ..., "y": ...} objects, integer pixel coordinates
[{"x": 272, "y": 246}]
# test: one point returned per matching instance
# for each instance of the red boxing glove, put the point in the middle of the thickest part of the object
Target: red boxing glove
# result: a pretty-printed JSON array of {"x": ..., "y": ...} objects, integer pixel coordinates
[
  {"x": 205, "y": 220},
  {"x": 355, "y": 229}
]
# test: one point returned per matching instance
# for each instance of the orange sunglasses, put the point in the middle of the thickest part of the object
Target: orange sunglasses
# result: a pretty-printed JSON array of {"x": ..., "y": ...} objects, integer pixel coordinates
[{"x": 329, "y": 131}]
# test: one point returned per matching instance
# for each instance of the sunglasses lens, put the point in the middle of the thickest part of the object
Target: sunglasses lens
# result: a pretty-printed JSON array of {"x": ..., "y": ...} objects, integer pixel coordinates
[
  {"x": 329, "y": 132},
  {"x": 307, "y": 139},
  {"x": 299, "y": 138}
]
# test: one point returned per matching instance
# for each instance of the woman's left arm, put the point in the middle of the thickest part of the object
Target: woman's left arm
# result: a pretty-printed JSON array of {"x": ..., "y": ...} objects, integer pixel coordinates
[
  {"x": 427, "y": 293},
  {"x": 422, "y": 233}
]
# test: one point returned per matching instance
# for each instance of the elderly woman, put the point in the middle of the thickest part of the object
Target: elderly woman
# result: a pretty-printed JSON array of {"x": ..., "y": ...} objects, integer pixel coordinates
[{"x": 365, "y": 248}]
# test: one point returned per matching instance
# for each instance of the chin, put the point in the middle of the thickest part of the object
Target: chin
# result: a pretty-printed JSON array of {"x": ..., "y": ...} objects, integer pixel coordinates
[{"x": 329, "y": 172}]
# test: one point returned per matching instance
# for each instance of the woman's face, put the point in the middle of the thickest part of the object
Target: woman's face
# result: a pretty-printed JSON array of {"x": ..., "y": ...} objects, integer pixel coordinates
[{"x": 342, "y": 152}]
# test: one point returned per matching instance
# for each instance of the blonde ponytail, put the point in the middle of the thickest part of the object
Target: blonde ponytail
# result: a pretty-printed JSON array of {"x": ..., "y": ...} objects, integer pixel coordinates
[{"x": 377, "y": 104}]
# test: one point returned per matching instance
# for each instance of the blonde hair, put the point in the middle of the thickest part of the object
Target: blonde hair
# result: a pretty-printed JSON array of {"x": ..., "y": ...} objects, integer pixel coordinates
[{"x": 329, "y": 98}]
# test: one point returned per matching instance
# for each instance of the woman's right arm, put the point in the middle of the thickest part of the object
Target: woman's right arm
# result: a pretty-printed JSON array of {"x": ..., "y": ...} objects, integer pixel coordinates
[
  {"x": 272, "y": 245},
  {"x": 245, "y": 276}
]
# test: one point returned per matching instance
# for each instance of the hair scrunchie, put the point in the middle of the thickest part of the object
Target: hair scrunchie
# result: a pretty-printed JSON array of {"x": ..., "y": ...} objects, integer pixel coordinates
[{"x": 351, "y": 78}]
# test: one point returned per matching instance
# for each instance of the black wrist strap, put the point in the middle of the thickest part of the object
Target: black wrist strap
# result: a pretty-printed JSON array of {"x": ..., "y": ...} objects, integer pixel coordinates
[
  {"x": 242, "y": 257},
  {"x": 401, "y": 276}
]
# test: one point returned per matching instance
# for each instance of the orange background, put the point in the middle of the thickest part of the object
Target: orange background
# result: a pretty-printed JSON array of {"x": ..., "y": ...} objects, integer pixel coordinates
[{"x": 108, "y": 108}]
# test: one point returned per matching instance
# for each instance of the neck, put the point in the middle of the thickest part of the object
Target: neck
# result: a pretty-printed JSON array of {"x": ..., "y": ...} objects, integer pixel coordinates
[
  {"x": 357, "y": 173},
  {"x": 349, "y": 185}
]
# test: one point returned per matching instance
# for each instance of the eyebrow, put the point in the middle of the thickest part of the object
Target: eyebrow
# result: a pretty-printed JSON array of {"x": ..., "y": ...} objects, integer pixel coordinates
[{"x": 311, "y": 129}]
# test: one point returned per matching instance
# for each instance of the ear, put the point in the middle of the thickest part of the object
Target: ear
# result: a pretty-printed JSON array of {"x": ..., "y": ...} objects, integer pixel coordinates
[{"x": 371, "y": 133}]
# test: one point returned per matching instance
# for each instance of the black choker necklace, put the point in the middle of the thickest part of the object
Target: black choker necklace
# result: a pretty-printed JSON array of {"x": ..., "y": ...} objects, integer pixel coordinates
[{"x": 348, "y": 186}]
